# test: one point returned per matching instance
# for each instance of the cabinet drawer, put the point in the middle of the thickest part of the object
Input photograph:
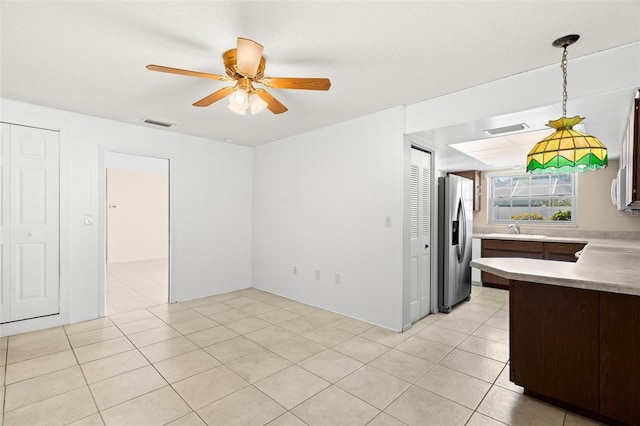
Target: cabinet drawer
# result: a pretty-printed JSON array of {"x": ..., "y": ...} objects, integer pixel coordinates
[
  {"x": 562, "y": 251},
  {"x": 504, "y": 253},
  {"x": 511, "y": 245}
]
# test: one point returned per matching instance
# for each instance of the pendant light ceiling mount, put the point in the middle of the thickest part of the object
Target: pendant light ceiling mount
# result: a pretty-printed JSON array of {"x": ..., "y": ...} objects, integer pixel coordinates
[
  {"x": 566, "y": 150},
  {"x": 565, "y": 41}
]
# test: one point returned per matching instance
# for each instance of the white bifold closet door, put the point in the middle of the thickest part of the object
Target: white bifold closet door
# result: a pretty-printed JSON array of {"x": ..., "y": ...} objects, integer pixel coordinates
[
  {"x": 29, "y": 223},
  {"x": 420, "y": 234}
]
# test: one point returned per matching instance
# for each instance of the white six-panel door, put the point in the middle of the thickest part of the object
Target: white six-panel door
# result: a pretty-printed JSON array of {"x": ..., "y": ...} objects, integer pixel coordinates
[
  {"x": 420, "y": 234},
  {"x": 29, "y": 265}
]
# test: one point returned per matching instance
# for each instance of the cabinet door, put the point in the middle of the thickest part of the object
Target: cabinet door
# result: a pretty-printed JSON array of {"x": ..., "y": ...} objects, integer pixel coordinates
[
  {"x": 490, "y": 280},
  {"x": 508, "y": 248},
  {"x": 634, "y": 164},
  {"x": 565, "y": 252},
  {"x": 554, "y": 343},
  {"x": 473, "y": 175},
  {"x": 620, "y": 357}
]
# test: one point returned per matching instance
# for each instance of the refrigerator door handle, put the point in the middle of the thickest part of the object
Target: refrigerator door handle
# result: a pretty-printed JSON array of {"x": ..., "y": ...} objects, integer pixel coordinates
[
  {"x": 462, "y": 247},
  {"x": 461, "y": 231}
]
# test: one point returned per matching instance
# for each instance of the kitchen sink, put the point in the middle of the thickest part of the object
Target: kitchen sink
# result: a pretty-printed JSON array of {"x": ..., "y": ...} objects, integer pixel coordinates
[{"x": 518, "y": 236}]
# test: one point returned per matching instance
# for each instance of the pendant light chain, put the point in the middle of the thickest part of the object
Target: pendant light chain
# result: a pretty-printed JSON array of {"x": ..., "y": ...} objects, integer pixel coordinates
[{"x": 564, "y": 81}]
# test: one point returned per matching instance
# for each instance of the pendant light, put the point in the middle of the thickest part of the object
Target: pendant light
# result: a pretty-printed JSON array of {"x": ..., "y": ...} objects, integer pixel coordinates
[{"x": 566, "y": 150}]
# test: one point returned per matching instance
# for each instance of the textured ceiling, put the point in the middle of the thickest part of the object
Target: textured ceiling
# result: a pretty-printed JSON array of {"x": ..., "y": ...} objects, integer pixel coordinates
[{"x": 90, "y": 56}]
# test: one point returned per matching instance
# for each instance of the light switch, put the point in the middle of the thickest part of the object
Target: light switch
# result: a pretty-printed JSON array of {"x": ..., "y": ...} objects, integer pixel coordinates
[
  {"x": 88, "y": 219},
  {"x": 387, "y": 221}
]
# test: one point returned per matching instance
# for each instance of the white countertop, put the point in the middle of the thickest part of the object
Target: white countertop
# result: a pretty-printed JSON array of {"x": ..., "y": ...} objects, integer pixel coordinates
[
  {"x": 531, "y": 237},
  {"x": 605, "y": 265}
]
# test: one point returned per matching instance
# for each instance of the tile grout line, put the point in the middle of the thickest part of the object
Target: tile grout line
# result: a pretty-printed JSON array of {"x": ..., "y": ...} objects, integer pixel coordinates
[
  {"x": 497, "y": 377},
  {"x": 159, "y": 373},
  {"x": 457, "y": 347},
  {"x": 251, "y": 315},
  {"x": 84, "y": 377}
]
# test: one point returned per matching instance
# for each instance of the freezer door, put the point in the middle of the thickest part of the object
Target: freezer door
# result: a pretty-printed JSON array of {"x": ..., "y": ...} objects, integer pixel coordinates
[{"x": 466, "y": 189}]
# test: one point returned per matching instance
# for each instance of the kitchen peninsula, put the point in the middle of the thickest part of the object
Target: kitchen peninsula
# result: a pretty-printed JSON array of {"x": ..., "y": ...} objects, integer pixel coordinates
[{"x": 575, "y": 328}]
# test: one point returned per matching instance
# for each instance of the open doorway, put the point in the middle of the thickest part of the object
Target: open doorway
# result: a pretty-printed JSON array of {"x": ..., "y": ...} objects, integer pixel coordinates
[{"x": 137, "y": 232}]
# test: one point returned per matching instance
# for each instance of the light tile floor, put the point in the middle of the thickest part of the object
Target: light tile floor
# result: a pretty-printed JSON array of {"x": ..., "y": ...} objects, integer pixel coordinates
[
  {"x": 253, "y": 358},
  {"x": 136, "y": 285}
]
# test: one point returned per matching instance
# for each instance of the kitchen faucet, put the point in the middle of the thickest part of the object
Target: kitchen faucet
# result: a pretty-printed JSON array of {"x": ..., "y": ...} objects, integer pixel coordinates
[{"x": 515, "y": 226}]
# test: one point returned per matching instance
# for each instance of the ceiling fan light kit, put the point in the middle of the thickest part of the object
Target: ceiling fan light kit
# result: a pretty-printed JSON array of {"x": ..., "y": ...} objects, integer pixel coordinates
[
  {"x": 245, "y": 65},
  {"x": 256, "y": 104},
  {"x": 566, "y": 150}
]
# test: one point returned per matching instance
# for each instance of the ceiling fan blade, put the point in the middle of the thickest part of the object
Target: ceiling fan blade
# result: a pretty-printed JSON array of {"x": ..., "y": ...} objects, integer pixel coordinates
[
  {"x": 215, "y": 96},
  {"x": 186, "y": 72},
  {"x": 297, "y": 83},
  {"x": 272, "y": 103},
  {"x": 249, "y": 54}
]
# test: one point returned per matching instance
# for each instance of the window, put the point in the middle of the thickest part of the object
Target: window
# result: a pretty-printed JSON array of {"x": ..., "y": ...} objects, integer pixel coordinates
[{"x": 547, "y": 199}]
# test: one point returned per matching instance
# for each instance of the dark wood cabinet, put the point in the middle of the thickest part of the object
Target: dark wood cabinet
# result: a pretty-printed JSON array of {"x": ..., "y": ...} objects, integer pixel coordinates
[
  {"x": 630, "y": 159},
  {"x": 507, "y": 248},
  {"x": 527, "y": 249},
  {"x": 576, "y": 348},
  {"x": 635, "y": 179},
  {"x": 620, "y": 357},
  {"x": 512, "y": 248},
  {"x": 565, "y": 252},
  {"x": 554, "y": 344},
  {"x": 473, "y": 175}
]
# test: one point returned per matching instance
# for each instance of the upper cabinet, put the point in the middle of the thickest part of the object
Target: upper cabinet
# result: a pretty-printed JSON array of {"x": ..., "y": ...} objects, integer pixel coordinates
[
  {"x": 628, "y": 179},
  {"x": 473, "y": 175}
]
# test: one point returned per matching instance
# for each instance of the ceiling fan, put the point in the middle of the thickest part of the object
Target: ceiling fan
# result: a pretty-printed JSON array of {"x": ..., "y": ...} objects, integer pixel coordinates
[{"x": 245, "y": 65}]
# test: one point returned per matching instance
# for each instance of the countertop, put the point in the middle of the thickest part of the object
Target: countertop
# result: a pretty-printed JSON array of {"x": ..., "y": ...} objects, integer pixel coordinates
[{"x": 605, "y": 265}]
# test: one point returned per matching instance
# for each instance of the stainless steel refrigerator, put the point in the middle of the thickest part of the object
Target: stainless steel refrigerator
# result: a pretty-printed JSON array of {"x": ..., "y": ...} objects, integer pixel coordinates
[{"x": 455, "y": 228}]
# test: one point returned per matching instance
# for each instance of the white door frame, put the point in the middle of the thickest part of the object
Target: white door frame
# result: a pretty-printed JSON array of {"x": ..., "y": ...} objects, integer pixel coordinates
[
  {"x": 102, "y": 218},
  {"x": 14, "y": 113},
  {"x": 406, "y": 236}
]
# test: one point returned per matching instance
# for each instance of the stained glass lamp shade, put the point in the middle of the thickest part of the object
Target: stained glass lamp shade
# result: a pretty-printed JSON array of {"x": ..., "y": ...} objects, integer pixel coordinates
[{"x": 566, "y": 150}]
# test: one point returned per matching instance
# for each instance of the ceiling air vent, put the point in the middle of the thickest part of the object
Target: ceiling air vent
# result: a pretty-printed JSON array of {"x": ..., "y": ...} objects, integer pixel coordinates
[
  {"x": 507, "y": 129},
  {"x": 157, "y": 123}
]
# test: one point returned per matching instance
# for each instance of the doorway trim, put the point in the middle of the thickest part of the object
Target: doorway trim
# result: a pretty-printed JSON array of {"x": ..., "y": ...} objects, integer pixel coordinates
[
  {"x": 102, "y": 218},
  {"x": 410, "y": 144}
]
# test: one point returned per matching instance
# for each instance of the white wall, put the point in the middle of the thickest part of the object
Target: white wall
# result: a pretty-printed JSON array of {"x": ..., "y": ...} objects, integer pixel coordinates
[
  {"x": 211, "y": 195},
  {"x": 320, "y": 203},
  {"x": 119, "y": 160}
]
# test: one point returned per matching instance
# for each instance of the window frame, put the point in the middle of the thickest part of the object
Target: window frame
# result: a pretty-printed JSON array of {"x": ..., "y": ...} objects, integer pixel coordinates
[{"x": 543, "y": 223}]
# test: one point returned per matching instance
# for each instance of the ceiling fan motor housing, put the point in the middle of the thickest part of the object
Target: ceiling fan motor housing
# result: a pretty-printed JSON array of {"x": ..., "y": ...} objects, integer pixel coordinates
[{"x": 230, "y": 58}]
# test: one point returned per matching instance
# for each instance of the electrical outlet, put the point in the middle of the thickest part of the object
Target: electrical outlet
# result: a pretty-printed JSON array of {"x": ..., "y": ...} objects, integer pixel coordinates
[
  {"x": 317, "y": 274},
  {"x": 337, "y": 278},
  {"x": 295, "y": 270}
]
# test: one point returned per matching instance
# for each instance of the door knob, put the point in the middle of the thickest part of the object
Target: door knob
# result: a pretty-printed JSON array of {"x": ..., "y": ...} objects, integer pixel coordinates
[{"x": 426, "y": 246}]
